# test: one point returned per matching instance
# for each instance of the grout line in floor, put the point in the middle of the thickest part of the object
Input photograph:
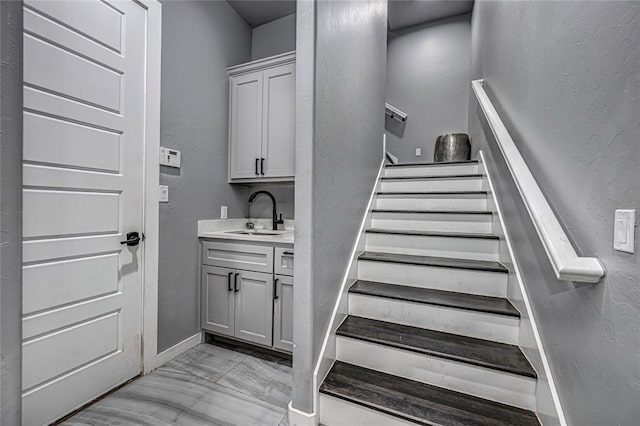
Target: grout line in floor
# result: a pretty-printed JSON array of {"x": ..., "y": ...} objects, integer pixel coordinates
[{"x": 243, "y": 391}]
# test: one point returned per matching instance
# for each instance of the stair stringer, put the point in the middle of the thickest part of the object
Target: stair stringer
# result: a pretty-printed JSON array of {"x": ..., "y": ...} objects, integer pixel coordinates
[{"x": 548, "y": 406}]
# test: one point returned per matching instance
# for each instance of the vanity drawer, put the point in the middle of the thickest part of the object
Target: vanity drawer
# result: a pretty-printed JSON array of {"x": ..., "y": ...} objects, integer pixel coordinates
[
  {"x": 283, "y": 261},
  {"x": 238, "y": 256}
]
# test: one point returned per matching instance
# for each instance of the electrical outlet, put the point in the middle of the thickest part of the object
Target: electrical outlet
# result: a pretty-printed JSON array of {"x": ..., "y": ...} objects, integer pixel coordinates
[
  {"x": 418, "y": 152},
  {"x": 164, "y": 194},
  {"x": 223, "y": 212}
]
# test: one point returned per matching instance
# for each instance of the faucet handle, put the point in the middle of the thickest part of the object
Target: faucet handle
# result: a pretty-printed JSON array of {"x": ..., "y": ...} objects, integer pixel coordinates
[{"x": 280, "y": 220}]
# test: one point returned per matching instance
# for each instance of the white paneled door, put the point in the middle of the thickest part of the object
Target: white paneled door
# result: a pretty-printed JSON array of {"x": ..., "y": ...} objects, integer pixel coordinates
[{"x": 84, "y": 117}]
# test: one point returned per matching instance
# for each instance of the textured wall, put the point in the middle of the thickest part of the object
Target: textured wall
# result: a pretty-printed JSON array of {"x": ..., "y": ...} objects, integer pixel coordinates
[
  {"x": 340, "y": 102},
  {"x": 428, "y": 78},
  {"x": 199, "y": 41},
  {"x": 274, "y": 37},
  {"x": 565, "y": 77},
  {"x": 10, "y": 212}
]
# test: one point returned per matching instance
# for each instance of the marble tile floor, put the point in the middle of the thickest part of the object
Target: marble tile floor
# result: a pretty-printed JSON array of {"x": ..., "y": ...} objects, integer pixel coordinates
[{"x": 211, "y": 384}]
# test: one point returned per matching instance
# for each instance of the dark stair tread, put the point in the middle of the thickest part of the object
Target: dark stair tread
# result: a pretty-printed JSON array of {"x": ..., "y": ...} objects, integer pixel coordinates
[
  {"x": 441, "y": 163},
  {"x": 480, "y": 212},
  {"x": 418, "y": 402},
  {"x": 426, "y": 177},
  {"x": 417, "y": 232},
  {"x": 470, "y": 350},
  {"x": 433, "y": 193},
  {"x": 442, "y": 262},
  {"x": 491, "y": 305}
]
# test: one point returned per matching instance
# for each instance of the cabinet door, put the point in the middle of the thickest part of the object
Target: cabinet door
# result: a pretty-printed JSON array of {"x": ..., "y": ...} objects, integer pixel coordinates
[
  {"x": 245, "y": 125},
  {"x": 278, "y": 121},
  {"x": 254, "y": 307},
  {"x": 283, "y": 313},
  {"x": 218, "y": 307}
]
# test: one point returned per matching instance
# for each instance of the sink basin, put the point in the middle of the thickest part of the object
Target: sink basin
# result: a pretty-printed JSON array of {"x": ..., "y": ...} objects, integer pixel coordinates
[{"x": 255, "y": 232}]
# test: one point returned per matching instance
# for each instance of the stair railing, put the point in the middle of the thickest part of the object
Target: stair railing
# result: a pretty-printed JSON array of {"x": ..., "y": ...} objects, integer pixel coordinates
[{"x": 566, "y": 263}]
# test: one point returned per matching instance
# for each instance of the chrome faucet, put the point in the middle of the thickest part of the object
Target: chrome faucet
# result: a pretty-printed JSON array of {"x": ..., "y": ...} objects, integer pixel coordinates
[{"x": 276, "y": 221}]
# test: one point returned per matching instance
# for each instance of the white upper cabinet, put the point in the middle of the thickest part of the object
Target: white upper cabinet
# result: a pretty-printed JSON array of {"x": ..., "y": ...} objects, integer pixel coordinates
[{"x": 262, "y": 120}]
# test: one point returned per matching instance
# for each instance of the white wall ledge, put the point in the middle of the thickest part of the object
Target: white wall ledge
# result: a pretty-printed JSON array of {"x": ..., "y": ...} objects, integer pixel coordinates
[{"x": 566, "y": 263}]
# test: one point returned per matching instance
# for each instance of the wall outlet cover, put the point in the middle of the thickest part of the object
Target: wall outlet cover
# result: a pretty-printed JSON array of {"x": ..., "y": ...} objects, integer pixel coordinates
[
  {"x": 223, "y": 212},
  {"x": 418, "y": 152},
  {"x": 624, "y": 230},
  {"x": 164, "y": 194}
]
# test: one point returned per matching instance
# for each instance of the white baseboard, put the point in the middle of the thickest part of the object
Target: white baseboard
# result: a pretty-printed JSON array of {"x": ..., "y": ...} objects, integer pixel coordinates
[
  {"x": 301, "y": 418},
  {"x": 178, "y": 349},
  {"x": 547, "y": 396}
]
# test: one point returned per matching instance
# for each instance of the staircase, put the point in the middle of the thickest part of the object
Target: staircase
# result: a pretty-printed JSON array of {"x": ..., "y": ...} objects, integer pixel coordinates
[{"x": 430, "y": 337}]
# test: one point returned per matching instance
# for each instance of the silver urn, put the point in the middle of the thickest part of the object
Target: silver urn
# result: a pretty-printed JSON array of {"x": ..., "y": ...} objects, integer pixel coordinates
[{"x": 452, "y": 147}]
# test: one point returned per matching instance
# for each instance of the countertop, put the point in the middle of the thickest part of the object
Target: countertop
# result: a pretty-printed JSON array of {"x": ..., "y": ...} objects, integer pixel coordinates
[{"x": 219, "y": 228}]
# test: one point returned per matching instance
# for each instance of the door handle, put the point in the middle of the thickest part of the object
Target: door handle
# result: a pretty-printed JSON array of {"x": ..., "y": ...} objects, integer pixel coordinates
[
  {"x": 275, "y": 289},
  {"x": 262, "y": 166},
  {"x": 235, "y": 283},
  {"x": 229, "y": 282},
  {"x": 257, "y": 161},
  {"x": 133, "y": 239}
]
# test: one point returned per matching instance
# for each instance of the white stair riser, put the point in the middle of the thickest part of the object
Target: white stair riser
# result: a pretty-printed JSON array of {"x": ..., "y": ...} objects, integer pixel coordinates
[
  {"x": 428, "y": 185},
  {"x": 449, "y": 279},
  {"x": 338, "y": 412},
  {"x": 459, "y": 248},
  {"x": 440, "y": 202},
  {"x": 474, "y": 380},
  {"x": 476, "y": 223},
  {"x": 499, "y": 328},
  {"x": 442, "y": 170}
]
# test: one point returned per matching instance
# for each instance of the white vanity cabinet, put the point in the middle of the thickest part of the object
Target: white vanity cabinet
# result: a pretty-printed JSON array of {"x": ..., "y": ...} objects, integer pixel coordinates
[
  {"x": 262, "y": 120},
  {"x": 241, "y": 295}
]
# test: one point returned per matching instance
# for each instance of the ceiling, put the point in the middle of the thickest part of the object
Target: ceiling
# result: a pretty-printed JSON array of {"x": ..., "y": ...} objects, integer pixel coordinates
[
  {"x": 258, "y": 12},
  {"x": 406, "y": 13}
]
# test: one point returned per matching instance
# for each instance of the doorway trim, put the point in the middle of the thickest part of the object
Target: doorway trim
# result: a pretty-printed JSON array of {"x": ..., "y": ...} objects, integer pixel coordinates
[{"x": 149, "y": 338}]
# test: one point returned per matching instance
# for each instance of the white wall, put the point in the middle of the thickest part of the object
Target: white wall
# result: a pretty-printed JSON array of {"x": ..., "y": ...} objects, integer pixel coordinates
[
  {"x": 428, "y": 69},
  {"x": 564, "y": 76},
  {"x": 340, "y": 68}
]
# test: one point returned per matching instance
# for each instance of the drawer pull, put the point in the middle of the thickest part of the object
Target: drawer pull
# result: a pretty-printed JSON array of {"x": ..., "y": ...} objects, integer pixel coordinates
[
  {"x": 287, "y": 253},
  {"x": 235, "y": 283},
  {"x": 229, "y": 282}
]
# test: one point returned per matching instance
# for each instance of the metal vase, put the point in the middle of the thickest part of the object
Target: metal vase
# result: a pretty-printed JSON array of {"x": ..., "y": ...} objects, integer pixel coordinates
[{"x": 452, "y": 147}]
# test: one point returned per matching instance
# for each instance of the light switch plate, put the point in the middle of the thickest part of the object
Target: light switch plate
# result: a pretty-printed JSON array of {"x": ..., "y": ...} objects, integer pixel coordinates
[
  {"x": 418, "y": 152},
  {"x": 169, "y": 157},
  {"x": 164, "y": 194},
  {"x": 624, "y": 230}
]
